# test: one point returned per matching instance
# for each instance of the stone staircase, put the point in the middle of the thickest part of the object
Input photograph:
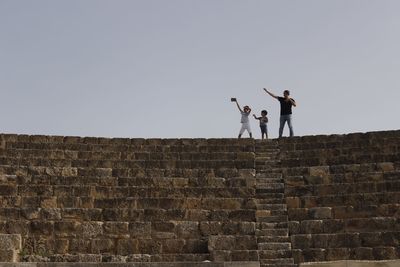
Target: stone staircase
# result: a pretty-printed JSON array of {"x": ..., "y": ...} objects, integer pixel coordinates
[{"x": 272, "y": 220}]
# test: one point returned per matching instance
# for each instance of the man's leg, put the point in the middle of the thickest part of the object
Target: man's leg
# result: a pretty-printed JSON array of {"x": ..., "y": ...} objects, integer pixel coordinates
[
  {"x": 281, "y": 125},
  {"x": 289, "y": 121}
]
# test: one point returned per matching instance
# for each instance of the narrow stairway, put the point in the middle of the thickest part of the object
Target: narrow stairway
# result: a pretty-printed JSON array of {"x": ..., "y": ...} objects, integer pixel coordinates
[{"x": 272, "y": 221}]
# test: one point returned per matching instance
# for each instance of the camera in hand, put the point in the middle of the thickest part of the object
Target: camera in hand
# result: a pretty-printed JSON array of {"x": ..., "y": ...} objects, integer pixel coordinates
[{"x": 233, "y": 99}]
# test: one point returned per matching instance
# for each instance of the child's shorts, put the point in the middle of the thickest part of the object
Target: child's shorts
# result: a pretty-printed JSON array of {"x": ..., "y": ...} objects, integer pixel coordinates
[
  {"x": 263, "y": 129},
  {"x": 245, "y": 126}
]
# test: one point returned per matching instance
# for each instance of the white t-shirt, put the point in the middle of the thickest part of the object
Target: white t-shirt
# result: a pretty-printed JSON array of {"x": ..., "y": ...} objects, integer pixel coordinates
[{"x": 245, "y": 117}]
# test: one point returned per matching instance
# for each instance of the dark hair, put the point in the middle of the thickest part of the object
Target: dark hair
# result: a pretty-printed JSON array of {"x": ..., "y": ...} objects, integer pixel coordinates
[
  {"x": 286, "y": 92},
  {"x": 264, "y": 112}
]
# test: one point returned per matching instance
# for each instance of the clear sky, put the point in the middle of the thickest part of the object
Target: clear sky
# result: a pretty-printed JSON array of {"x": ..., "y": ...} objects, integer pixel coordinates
[{"x": 168, "y": 68}]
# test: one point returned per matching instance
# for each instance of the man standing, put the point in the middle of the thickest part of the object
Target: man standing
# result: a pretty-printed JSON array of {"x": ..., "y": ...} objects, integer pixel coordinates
[{"x": 286, "y": 110}]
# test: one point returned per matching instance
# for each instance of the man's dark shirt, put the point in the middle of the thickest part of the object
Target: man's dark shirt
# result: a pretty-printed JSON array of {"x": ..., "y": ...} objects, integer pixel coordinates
[{"x": 286, "y": 106}]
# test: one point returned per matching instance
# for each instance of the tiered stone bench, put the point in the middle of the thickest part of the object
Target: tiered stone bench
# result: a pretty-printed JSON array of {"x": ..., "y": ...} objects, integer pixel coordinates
[
  {"x": 343, "y": 196},
  {"x": 71, "y": 199},
  {"x": 199, "y": 202}
]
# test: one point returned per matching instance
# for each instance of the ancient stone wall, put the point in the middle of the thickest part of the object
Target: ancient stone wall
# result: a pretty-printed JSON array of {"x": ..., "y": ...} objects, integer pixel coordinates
[
  {"x": 98, "y": 199},
  {"x": 276, "y": 202},
  {"x": 343, "y": 196}
]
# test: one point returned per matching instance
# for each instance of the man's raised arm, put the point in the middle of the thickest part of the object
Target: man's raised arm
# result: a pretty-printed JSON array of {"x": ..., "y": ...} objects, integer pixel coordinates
[
  {"x": 271, "y": 94},
  {"x": 293, "y": 102}
]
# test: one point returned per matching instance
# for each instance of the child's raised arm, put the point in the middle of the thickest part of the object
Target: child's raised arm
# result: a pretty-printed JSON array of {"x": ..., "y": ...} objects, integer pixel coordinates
[
  {"x": 257, "y": 118},
  {"x": 238, "y": 106}
]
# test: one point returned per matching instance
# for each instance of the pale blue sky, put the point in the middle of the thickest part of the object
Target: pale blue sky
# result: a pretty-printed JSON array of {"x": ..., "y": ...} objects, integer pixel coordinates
[{"x": 167, "y": 68}]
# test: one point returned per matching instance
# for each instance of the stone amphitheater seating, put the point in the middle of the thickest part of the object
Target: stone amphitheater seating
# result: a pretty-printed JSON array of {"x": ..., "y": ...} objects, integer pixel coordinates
[
  {"x": 274, "y": 203},
  {"x": 343, "y": 196}
]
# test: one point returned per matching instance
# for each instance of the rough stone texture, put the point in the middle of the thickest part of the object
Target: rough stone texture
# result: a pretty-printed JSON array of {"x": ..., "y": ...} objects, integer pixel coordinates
[
  {"x": 73, "y": 199},
  {"x": 343, "y": 196},
  {"x": 349, "y": 263},
  {"x": 158, "y": 264},
  {"x": 278, "y": 202},
  {"x": 10, "y": 242},
  {"x": 8, "y": 256}
]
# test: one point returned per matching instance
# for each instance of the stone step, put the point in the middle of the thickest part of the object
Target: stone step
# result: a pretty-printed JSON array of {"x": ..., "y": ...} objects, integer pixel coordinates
[
  {"x": 266, "y": 148},
  {"x": 267, "y": 161},
  {"x": 274, "y": 246},
  {"x": 273, "y": 232},
  {"x": 268, "y": 213},
  {"x": 270, "y": 195},
  {"x": 234, "y": 255},
  {"x": 277, "y": 212},
  {"x": 279, "y": 218},
  {"x": 263, "y": 165},
  {"x": 279, "y": 186},
  {"x": 263, "y": 174},
  {"x": 269, "y": 180},
  {"x": 273, "y": 239},
  {"x": 275, "y": 254},
  {"x": 269, "y": 190},
  {"x": 269, "y": 200},
  {"x": 271, "y": 206},
  {"x": 275, "y": 225},
  {"x": 271, "y": 158},
  {"x": 278, "y": 261},
  {"x": 267, "y": 156},
  {"x": 279, "y": 265},
  {"x": 8, "y": 256}
]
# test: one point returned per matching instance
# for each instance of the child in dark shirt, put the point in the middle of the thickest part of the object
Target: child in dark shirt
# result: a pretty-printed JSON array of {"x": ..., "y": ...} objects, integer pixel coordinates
[{"x": 263, "y": 123}]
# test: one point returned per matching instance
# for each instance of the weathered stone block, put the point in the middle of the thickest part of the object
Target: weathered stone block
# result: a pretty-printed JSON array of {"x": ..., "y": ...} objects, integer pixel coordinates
[
  {"x": 195, "y": 246},
  {"x": 311, "y": 227},
  {"x": 333, "y": 226},
  {"x": 139, "y": 258},
  {"x": 293, "y": 202},
  {"x": 90, "y": 229},
  {"x": 315, "y": 254},
  {"x": 103, "y": 245},
  {"x": 10, "y": 242},
  {"x": 44, "y": 228},
  {"x": 66, "y": 228},
  {"x": 61, "y": 246},
  {"x": 243, "y": 242},
  {"x": 172, "y": 245},
  {"x": 148, "y": 246},
  {"x": 384, "y": 253},
  {"x": 116, "y": 229},
  {"x": 361, "y": 253},
  {"x": 221, "y": 242},
  {"x": 386, "y": 166},
  {"x": 210, "y": 228},
  {"x": 294, "y": 227},
  {"x": 127, "y": 246},
  {"x": 8, "y": 190},
  {"x": 9, "y": 256},
  {"x": 301, "y": 241},
  {"x": 322, "y": 171},
  {"x": 321, "y": 213},
  {"x": 371, "y": 239},
  {"x": 187, "y": 229},
  {"x": 298, "y": 214}
]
